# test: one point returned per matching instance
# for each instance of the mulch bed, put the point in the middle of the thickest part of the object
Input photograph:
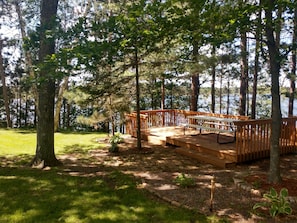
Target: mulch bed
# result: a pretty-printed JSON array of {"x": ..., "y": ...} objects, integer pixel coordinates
[{"x": 260, "y": 182}]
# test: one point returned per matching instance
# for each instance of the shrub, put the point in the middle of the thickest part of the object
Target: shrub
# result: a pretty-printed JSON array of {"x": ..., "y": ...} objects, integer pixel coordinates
[{"x": 114, "y": 141}]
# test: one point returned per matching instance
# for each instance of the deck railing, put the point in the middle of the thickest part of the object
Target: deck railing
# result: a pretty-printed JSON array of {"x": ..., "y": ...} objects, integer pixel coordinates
[
  {"x": 131, "y": 123},
  {"x": 167, "y": 117},
  {"x": 170, "y": 117},
  {"x": 252, "y": 136}
]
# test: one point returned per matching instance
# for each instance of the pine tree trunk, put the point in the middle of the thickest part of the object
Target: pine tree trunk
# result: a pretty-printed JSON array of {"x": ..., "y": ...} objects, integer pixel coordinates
[
  {"x": 274, "y": 61},
  {"x": 213, "y": 81},
  {"x": 45, "y": 154},
  {"x": 195, "y": 81},
  {"x": 4, "y": 88},
  {"x": 28, "y": 57},
  {"x": 59, "y": 102},
  {"x": 244, "y": 74},
  {"x": 163, "y": 93},
  {"x": 293, "y": 68},
  {"x": 139, "y": 146},
  {"x": 228, "y": 95},
  {"x": 256, "y": 68}
]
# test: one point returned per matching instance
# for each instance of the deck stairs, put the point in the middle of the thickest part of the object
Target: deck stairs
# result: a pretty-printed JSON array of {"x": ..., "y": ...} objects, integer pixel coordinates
[
  {"x": 203, "y": 148},
  {"x": 216, "y": 157}
]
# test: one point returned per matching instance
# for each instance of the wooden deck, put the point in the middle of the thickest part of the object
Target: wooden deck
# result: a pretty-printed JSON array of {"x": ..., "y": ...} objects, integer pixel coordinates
[
  {"x": 203, "y": 147},
  {"x": 252, "y": 136}
]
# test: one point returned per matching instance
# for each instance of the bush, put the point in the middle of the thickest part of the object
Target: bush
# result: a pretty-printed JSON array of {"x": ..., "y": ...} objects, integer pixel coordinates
[{"x": 114, "y": 141}]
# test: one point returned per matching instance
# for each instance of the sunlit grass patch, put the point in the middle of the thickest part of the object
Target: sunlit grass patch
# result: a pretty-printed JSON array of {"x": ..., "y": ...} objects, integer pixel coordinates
[{"x": 16, "y": 142}]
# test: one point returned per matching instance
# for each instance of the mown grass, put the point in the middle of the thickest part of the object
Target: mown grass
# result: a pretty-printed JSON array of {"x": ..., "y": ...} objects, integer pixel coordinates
[
  {"x": 34, "y": 195},
  {"x": 15, "y": 142}
]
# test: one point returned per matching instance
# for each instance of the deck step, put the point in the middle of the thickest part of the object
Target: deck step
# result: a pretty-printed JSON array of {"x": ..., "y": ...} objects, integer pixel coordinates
[
  {"x": 156, "y": 140},
  {"x": 205, "y": 158},
  {"x": 216, "y": 150}
]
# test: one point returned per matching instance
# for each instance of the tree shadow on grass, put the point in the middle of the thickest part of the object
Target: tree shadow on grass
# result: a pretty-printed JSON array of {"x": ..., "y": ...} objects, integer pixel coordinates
[
  {"x": 25, "y": 131},
  {"x": 16, "y": 160},
  {"x": 82, "y": 132},
  {"x": 79, "y": 149},
  {"x": 32, "y": 195}
]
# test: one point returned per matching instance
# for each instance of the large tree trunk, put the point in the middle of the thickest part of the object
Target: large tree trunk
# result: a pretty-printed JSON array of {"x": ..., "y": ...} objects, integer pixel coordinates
[
  {"x": 45, "y": 154},
  {"x": 274, "y": 61},
  {"x": 293, "y": 68},
  {"x": 4, "y": 89},
  {"x": 244, "y": 75}
]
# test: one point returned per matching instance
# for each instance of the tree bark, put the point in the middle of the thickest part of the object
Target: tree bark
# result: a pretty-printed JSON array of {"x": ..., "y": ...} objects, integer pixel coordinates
[
  {"x": 256, "y": 67},
  {"x": 244, "y": 74},
  {"x": 59, "y": 102},
  {"x": 137, "y": 100},
  {"x": 213, "y": 81},
  {"x": 45, "y": 154},
  {"x": 293, "y": 68},
  {"x": 163, "y": 92},
  {"x": 195, "y": 81},
  {"x": 274, "y": 61},
  {"x": 28, "y": 57},
  {"x": 228, "y": 96},
  {"x": 221, "y": 93},
  {"x": 4, "y": 89}
]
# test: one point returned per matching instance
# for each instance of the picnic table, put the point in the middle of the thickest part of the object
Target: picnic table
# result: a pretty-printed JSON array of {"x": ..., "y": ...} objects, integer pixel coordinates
[{"x": 214, "y": 124}]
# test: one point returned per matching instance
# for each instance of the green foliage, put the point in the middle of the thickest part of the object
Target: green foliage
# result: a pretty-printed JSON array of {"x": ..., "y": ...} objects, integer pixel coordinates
[
  {"x": 277, "y": 203},
  {"x": 114, "y": 141},
  {"x": 184, "y": 180}
]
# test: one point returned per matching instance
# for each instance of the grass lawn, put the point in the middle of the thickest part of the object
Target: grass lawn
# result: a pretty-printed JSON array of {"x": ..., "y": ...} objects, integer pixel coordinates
[
  {"x": 33, "y": 195},
  {"x": 15, "y": 142}
]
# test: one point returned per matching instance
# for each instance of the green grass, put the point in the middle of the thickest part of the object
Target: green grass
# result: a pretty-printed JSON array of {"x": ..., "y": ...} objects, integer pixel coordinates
[
  {"x": 15, "y": 142},
  {"x": 32, "y": 195}
]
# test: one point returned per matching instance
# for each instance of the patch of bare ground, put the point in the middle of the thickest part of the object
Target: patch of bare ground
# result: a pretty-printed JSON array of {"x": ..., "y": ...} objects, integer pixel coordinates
[{"x": 157, "y": 166}]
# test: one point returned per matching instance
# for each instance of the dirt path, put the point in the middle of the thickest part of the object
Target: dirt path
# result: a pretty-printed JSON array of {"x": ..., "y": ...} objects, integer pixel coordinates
[{"x": 158, "y": 166}]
